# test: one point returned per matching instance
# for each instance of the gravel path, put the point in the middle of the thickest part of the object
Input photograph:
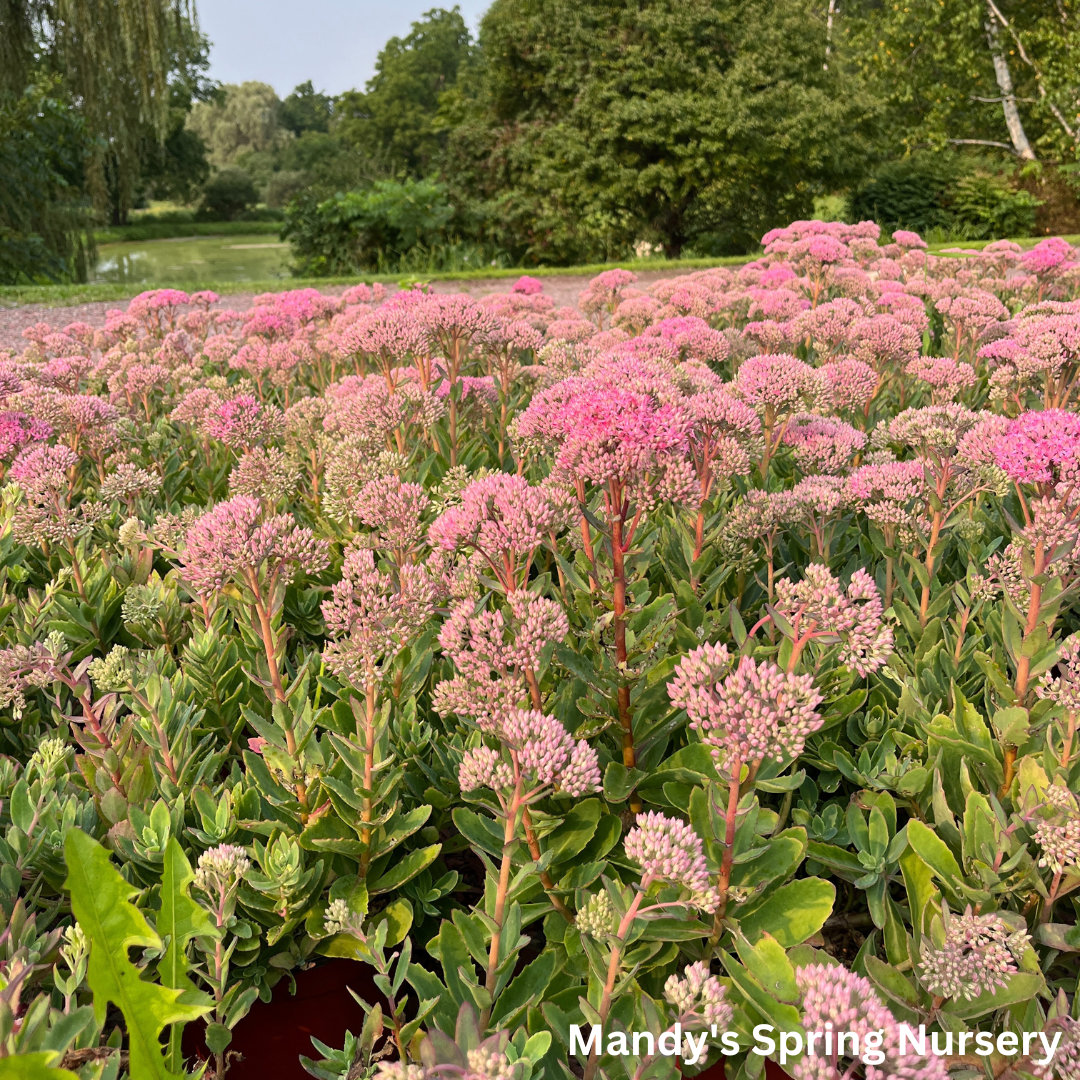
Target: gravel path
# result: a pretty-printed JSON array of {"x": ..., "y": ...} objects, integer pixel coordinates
[{"x": 563, "y": 289}]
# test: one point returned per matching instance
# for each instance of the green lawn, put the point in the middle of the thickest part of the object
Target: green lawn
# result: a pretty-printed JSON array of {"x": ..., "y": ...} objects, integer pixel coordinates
[
  {"x": 224, "y": 263},
  {"x": 151, "y": 230}
]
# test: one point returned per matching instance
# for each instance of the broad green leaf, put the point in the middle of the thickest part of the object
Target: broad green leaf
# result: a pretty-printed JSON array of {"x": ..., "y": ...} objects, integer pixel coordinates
[
  {"x": 893, "y": 984},
  {"x": 101, "y": 902},
  {"x": 39, "y": 1066},
  {"x": 398, "y": 916},
  {"x": 525, "y": 990},
  {"x": 619, "y": 781},
  {"x": 480, "y": 830},
  {"x": 1022, "y": 987},
  {"x": 576, "y": 830},
  {"x": 933, "y": 851},
  {"x": 791, "y": 914},
  {"x": 777, "y": 863},
  {"x": 405, "y": 869},
  {"x": 768, "y": 963},
  {"x": 180, "y": 919}
]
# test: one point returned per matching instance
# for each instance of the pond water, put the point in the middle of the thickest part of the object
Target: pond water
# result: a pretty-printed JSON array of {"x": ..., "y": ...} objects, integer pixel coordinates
[{"x": 193, "y": 260}]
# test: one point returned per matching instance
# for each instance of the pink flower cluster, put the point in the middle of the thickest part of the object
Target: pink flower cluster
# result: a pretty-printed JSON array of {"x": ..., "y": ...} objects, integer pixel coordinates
[
  {"x": 746, "y": 714},
  {"x": 667, "y": 849}
]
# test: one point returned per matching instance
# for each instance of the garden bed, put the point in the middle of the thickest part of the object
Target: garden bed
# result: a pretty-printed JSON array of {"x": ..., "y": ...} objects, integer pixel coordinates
[{"x": 691, "y": 661}]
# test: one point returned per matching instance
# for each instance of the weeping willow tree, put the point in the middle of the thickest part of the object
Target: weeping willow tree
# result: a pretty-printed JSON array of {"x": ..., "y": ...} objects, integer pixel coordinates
[{"x": 114, "y": 58}]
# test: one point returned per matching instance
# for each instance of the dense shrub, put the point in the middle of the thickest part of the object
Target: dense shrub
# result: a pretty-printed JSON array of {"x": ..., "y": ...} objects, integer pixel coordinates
[
  {"x": 226, "y": 195},
  {"x": 370, "y": 229},
  {"x": 941, "y": 194}
]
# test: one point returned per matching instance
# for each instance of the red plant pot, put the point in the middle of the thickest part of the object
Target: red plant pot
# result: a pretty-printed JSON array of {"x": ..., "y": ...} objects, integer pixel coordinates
[{"x": 271, "y": 1038}]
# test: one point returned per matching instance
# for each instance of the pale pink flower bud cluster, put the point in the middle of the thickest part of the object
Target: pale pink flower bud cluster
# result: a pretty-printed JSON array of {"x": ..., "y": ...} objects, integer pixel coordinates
[
  {"x": 394, "y": 510},
  {"x": 484, "y": 767},
  {"x": 501, "y": 516},
  {"x": 1065, "y": 1064},
  {"x": 885, "y": 491},
  {"x": 492, "y": 650},
  {"x": 693, "y": 338},
  {"x": 779, "y": 382},
  {"x": 909, "y": 240},
  {"x": 883, "y": 341},
  {"x": 603, "y": 291},
  {"x": 1064, "y": 688},
  {"x": 42, "y": 472},
  {"x": 1060, "y": 843},
  {"x": 372, "y": 614},
  {"x": 852, "y": 617},
  {"x": 264, "y": 473},
  {"x": 667, "y": 849},
  {"x": 16, "y": 430},
  {"x": 128, "y": 482},
  {"x": 1049, "y": 256},
  {"x": 852, "y": 383},
  {"x": 547, "y": 752},
  {"x": 848, "y": 1002},
  {"x": 699, "y": 996},
  {"x": 221, "y": 868},
  {"x": 949, "y": 378},
  {"x": 934, "y": 430},
  {"x": 753, "y": 712},
  {"x": 599, "y": 433},
  {"x": 977, "y": 956},
  {"x": 234, "y": 543},
  {"x": 822, "y": 444}
]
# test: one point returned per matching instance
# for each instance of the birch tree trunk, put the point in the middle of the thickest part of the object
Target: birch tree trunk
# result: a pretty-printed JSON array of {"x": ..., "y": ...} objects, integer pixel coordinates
[{"x": 1008, "y": 95}]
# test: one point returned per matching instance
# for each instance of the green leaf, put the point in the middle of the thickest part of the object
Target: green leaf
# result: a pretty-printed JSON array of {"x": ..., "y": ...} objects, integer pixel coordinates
[
  {"x": 218, "y": 1037},
  {"x": 791, "y": 914},
  {"x": 777, "y": 863},
  {"x": 180, "y": 919},
  {"x": 480, "y": 830},
  {"x": 933, "y": 851},
  {"x": 101, "y": 902},
  {"x": 768, "y": 963},
  {"x": 1022, "y": 987},
  {"x": 398, "y": 916},
  {"x": 405, "y": 869},
  {"x": 39, "y": 1066},
  {"x": 525, "y": 990},
  {"x": 892, "y": 983},
  {"x": 619, "y": 781},
  {"x": 330, "y": 833},
  {"x": 576, "y": 830}
]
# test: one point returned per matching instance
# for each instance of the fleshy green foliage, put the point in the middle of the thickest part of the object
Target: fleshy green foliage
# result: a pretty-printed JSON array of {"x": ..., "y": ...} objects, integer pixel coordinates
[
  {"x": 101, "y": 902},
  {"x": 39, "y": 1066}
]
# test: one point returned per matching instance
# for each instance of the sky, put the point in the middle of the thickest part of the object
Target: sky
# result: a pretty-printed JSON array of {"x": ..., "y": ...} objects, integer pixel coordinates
[{"x": 333, "y": 43}]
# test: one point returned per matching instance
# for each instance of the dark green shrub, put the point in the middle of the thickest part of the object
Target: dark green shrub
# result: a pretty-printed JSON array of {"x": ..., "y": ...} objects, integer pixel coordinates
[
  {"x": 226, "y": 195},
  {"x": 986, "y": 206},
  {"x": 367, "y": 230},
  {"x": 944, "y": 195},
  {"x": 912, "y": 193}
]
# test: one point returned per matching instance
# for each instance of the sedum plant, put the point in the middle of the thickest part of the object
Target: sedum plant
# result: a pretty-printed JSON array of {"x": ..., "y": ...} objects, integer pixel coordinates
[{"x": 703, "y": 654}]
